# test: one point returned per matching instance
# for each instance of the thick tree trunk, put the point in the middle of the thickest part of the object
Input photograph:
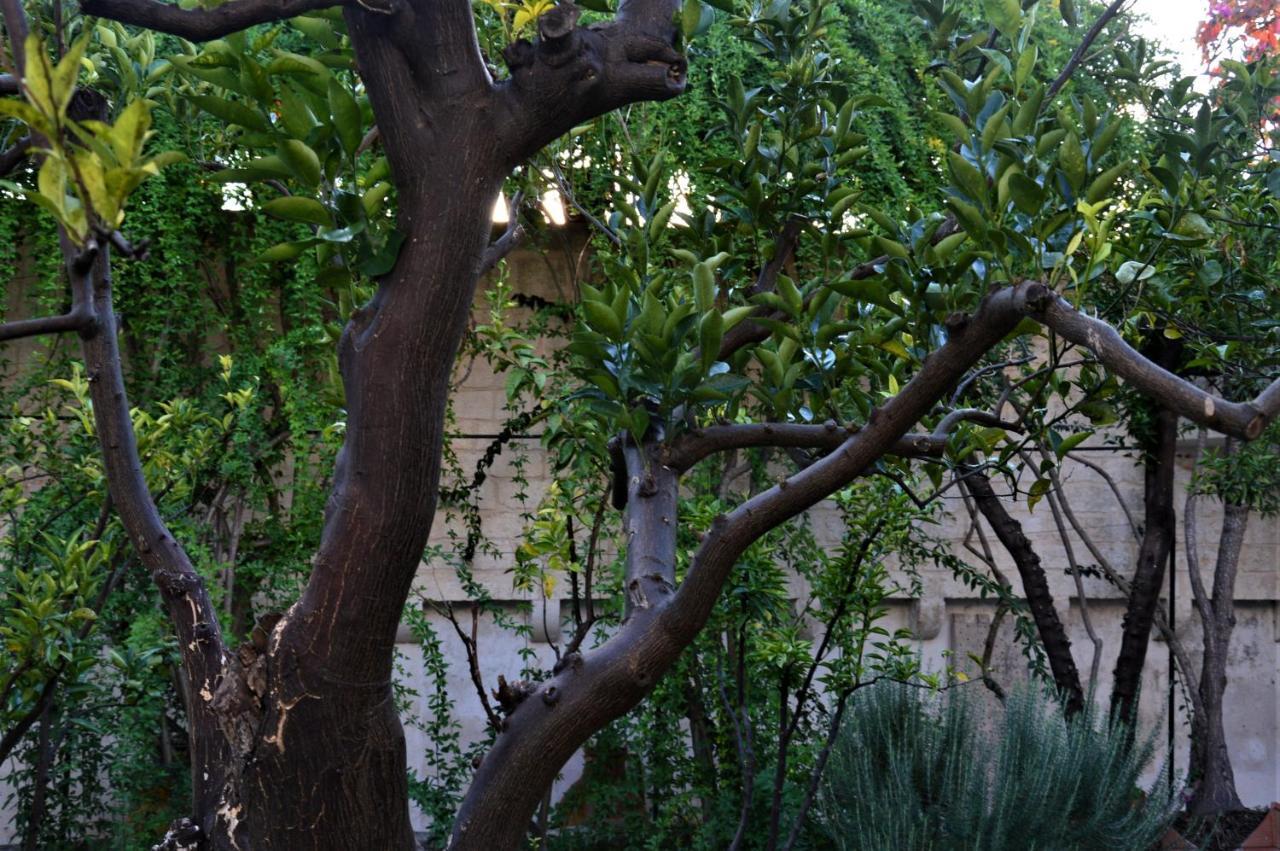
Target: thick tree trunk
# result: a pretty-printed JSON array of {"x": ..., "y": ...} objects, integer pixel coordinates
[
  {"x": 321, "y": 750},
  {"x": 1148, "y": 575},
  {"x": 1035, "y": 585}
]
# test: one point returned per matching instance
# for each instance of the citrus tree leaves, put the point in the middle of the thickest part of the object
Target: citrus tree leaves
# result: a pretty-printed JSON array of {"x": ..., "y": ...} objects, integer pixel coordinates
[
  {"x": 295, "y": 121},
  {"x": 88, "y": 168}
]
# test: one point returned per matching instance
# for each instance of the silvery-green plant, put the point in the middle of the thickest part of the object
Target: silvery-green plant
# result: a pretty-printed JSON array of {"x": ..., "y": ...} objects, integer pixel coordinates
[{"x": 920, "y": 770}]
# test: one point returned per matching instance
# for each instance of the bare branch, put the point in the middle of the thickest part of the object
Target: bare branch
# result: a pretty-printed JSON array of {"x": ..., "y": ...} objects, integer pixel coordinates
[
  {"x": 511, "y": 237},
  {"x": 472, "y": 648},
  {"x": 1054, "y": 496},
  {"x": 1192, "y": 546},
  {"x": 201, "y": 24},
  {"x": 1115, "y": 490},
  {"x": 784, "y": 247},
  {"x": 14, "y": 156},
  {"x": 76, "y": 320},
  {"x": 1245, "y": 420},
  {"x": 976, "y": 415},
  {"x": 691, "y": 447},
  {"x": 1077, "y": 55},
  {"x": 80, "y": 318},
  {"x": 1035, "y": 586}
]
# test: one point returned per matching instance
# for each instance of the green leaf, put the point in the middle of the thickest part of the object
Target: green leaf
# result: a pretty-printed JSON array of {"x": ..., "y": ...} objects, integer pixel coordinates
[
  {"x": 296, "y": 65},
  {"x": 710, "y": 333},
  {"x": 296, "y": 208},
  {"x": 1134, "y": 270},
  {"x": 345, "y": 113},
  {"x": 232, "y": 112},
  {"x": 1102, "y": 183},
  {"x": 1039, "y": 488},
  {"x": 602, "y": 318},
  {"x": 704, "y": 287},
  {"x": 967, "y": 177},
  {"x": 301, "y": 161},
  {"x": 1006, "y": 15},
  {"x": 281, "y": 252},
  {"x": 1026, "y": 64},
  {"x": 1070, "y": 442},
  {"x": 1026, "y": 193},
  {"x": 1071, "y": 161}
]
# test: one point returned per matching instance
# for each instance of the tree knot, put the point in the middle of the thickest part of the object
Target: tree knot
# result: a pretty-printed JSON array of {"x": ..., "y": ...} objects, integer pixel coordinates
[{"x": 511, "y": 695}]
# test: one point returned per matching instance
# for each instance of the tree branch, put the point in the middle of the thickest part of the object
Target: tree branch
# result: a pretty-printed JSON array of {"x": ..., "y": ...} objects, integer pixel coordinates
[
  {"x": 652, "y": 492},
  {"x": 201, "y": 24},
  {"x": 14, "y": 155},
  {"x": 571, "y": 74},
  {"x": 190, "y": 610},
  {"x": 1035, "y": 586},
  {"x": 1245, "y": 420},
  {"x": 505, "y": 244},
  {"x": 693, "y": 446},
  {"x": 1077, "y": 55}
]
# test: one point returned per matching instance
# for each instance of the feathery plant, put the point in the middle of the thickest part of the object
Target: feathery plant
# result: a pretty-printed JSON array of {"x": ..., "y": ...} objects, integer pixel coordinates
[{"x": 913, "y": 769}]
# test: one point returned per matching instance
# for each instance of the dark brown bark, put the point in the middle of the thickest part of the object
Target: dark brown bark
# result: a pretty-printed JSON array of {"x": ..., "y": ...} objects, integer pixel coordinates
[
  {"x": 1035, "y": 585},
  {"x": 189, "y": 607},
  {"x": 1148, "y": 574}
]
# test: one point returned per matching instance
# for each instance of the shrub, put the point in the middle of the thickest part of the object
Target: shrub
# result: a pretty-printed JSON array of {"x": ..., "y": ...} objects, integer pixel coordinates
[{"x": 914, "y": 769}]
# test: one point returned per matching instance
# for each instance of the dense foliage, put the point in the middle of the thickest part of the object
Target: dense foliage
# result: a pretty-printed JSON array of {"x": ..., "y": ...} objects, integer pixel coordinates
[{"x": 914, "y": 771}]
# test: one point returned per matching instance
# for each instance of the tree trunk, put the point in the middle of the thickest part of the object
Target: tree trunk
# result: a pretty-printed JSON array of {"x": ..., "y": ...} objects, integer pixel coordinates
[
  {"x": 1035, "y": 585},
  {"x": 1210, "y": 770},
  {"x": 1148, "y": 575}
]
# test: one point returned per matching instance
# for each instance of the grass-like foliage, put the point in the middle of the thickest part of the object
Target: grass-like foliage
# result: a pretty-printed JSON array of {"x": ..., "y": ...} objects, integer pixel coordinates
[{"x": 912, "y": 769}]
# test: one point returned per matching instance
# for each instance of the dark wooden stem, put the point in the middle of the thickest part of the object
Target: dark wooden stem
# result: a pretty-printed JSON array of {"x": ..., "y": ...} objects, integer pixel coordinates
[
  {"x": 201, "y": 24},
  {"x": 1035, "y": 585},
  {"x": 190, "y": 610},
  {"x": 1148, "y": 575},
  {"x": 1077, "y": 55}
]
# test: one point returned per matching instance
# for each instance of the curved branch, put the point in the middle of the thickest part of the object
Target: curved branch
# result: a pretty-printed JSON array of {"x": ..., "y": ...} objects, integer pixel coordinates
[
  {"x": 190, "y": 610},
  {"x": 691, "y": 447},
  {"x": 1245, "y": 420},
  {"x": 13, "y": 156},
  {"x": 1035, "y": 585},
  {"x": 510, "y": 239},
  {"x": 201, "y": 24},
  {"x": 572, "y": 74},
  {"x": 80, "y": 318},
  {"x": 1077, "y": 55}
]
